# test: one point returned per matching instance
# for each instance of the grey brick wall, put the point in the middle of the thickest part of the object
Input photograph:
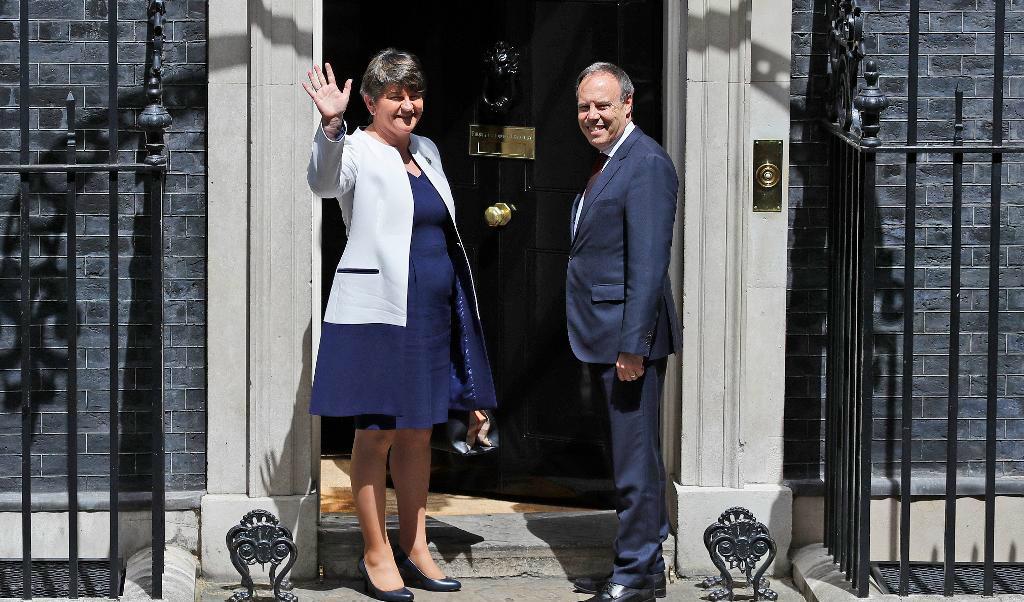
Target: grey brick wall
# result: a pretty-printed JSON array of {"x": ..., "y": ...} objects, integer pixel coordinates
[
  {"x": 69, "y": 53},
  {"x": 956, "y": 48}
]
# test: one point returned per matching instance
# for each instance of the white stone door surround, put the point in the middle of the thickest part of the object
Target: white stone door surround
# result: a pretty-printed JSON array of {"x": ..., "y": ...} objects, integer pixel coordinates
[
  {"x": 730, "y": 407},
  {"x": 726, "y": 84},
  {"x": 259, "y": 343}
]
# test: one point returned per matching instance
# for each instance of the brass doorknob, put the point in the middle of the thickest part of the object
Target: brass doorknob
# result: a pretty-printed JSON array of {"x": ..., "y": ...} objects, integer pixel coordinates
[
  {"x": 768, "y": 175},
  {"x": 499, "y": 214}
]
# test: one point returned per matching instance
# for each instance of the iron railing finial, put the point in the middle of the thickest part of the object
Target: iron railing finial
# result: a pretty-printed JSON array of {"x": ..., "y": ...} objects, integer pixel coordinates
[
  {"x": 870, "y": 103},
  {"x": 155, "y": 118}
]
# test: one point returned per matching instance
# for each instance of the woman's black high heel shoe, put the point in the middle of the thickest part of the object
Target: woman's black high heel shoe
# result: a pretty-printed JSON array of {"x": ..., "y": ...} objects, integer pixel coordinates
[
  {"x": 414, "y": 577},
  {"x": 395, "y": 595}
]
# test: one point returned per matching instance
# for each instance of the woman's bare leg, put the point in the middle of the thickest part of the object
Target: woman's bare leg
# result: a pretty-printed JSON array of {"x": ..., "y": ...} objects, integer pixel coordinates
[
  {"x": 369, "y": 472},
  {"x": 410, "y": 470}
]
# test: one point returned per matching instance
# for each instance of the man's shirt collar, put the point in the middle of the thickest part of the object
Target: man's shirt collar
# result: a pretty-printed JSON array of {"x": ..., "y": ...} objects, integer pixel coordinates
[{"x": 622, "y": 138}]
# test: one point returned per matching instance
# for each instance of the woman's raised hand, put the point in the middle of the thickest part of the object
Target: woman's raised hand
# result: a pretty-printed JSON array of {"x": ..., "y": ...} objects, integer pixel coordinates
[{"x": 330, "y": 100}]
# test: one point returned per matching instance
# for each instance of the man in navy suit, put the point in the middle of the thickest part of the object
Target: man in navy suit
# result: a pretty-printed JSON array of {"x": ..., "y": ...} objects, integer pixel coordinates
[{"x": 622, "y": 320}]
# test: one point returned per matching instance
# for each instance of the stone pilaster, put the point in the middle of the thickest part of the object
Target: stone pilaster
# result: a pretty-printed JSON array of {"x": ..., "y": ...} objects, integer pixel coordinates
[
  {"x": 228, "y": 215},
  {"x": 734, "y": 276},
  {"x": 260, "y": 435}
]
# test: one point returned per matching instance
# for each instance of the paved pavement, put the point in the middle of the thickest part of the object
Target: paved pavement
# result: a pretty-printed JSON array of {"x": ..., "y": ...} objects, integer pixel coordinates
[{"x": 519, "y": 589}]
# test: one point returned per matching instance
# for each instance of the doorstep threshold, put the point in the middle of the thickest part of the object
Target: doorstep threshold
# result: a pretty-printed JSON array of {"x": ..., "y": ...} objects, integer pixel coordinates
[{"x": 532, "y": 544}]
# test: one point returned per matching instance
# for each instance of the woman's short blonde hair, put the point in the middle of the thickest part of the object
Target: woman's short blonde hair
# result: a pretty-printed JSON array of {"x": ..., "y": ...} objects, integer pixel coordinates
[{"x": 391, "y": 67}]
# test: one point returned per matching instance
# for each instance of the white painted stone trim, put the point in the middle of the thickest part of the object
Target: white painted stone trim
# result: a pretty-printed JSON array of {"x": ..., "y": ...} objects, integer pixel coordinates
[
  {"x": 221, "y": 512},
  {"x": 280, "y": 329},
  {"x": 316, "y": 263},
  {"x": 716, "y": 186},
  {"x": 227, "y": 247},
  {"x": 674, "y": 123},
  {"x": 261, "y": 449},
  {"x": 699, "y": 507},
  {"x": 179, "y": 580},
  {"x": 734, "y": 276},
  {"x": 734, "y": 260},
  {"x": 764, "y": 255},
  {"x": 50, "y": 533}
]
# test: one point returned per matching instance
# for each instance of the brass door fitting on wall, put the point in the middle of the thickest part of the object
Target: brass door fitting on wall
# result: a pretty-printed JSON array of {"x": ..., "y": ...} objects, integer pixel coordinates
[
  {"x": 768, "y": 175},
  {"x": 499, "y": 214}
]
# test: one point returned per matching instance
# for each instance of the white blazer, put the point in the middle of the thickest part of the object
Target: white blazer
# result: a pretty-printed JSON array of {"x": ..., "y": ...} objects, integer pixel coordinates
[{"x": 369, "y": 180}]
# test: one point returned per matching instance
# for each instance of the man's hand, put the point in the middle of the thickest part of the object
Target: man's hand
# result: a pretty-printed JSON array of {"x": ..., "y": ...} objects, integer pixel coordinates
[{"x": 629, "y": 366}]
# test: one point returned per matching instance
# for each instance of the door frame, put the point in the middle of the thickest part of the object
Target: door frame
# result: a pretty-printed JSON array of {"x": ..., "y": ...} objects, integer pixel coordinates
[
  {"x": 673, "y": 135},
  {"x": 674, "y": 140}
]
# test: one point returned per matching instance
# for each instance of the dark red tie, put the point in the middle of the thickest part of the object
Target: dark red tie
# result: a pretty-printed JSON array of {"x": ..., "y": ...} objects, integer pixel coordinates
[{"x": 599, "y": 162}]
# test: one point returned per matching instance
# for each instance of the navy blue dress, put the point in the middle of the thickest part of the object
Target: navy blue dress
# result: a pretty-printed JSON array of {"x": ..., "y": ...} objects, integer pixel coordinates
[{"x": 420, "y": 377}]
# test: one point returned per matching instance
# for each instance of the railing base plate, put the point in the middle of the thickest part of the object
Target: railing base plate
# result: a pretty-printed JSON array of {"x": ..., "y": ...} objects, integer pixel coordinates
[
  {"x": 51, "y": 578},
  {"x": 927, "y": 577}
]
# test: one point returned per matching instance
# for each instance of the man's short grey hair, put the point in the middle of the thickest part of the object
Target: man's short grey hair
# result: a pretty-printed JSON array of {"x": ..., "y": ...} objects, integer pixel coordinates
[
  {"x": 612, "y": 69},
  {"x": 391, "y": 67}
]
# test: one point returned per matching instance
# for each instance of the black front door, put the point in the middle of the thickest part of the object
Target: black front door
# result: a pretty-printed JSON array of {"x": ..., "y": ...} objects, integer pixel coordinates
[{"x": 552, "y": 439}]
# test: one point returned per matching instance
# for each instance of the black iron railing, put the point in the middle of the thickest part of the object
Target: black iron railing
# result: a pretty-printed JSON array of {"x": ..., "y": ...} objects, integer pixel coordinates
[
  {"x": 850, "y": 333},
  {"x": 854, "y": 149},
  {"x": 153, "y": 120}
]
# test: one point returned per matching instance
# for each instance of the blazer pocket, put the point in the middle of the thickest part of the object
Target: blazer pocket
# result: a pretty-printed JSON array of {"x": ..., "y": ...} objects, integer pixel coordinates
[
  {"x": 358, "y": 271},
  {"x": 605, "y": 293}
]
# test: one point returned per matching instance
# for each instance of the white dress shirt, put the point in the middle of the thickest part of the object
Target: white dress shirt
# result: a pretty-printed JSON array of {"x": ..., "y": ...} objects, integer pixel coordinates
[{"x": 610, "y": 153}]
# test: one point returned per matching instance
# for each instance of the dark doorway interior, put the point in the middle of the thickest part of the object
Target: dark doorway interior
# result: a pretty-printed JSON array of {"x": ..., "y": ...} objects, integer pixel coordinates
[{"x": 552, "y": 440}]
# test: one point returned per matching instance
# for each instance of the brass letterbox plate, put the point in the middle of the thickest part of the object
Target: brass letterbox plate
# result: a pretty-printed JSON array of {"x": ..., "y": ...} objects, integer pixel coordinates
[
  {"x": 503, "y": 141},
  {"x": 768, "y": 175}
]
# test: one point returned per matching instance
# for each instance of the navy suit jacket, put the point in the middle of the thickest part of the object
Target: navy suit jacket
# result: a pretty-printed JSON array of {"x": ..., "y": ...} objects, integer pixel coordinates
[{"x": 618, "y": 296}]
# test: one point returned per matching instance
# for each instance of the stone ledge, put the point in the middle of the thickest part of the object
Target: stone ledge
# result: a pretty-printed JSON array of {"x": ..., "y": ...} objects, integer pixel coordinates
[
  {"x": 179, "y": 583},
  {"x": 698, "y": 507},
  {"x": 222, "y": 511},
  {"x": 93, "y": 501},
  {"x": 818, "y": 578},
  {"x": 536, "y": 544},
  {"x": 925, "y": 484}
]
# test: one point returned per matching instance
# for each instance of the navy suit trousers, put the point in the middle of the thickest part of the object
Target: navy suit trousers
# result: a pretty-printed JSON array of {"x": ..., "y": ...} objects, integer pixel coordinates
[{"x": 634, "y": 418}]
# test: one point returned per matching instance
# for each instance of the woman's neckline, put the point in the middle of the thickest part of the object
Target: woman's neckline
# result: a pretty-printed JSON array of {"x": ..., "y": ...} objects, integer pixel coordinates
[{"x": 362, "y": 130}]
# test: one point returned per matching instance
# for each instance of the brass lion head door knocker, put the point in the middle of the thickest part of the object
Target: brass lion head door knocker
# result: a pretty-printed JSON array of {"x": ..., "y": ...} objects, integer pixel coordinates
[{"x": 501, "y": 78}]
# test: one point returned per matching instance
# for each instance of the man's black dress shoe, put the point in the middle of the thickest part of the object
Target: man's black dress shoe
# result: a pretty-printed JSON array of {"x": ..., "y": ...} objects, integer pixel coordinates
[
  {"x": 613, "y": 592},
  {"x": 592, "y": 585}
]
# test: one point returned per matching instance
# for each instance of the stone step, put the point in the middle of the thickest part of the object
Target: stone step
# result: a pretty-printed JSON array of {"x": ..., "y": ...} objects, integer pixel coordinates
[{"x": 537, "y": 544}]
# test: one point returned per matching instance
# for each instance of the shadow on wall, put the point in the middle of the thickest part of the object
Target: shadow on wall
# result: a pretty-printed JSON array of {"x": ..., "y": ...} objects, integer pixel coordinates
[
  {"x": 294, "y": 452},
  {"x": 806, "y": 301},
  {"x": 807, "y": 290},
  {"x": 927, "y": 544},
  {"x": 49, "y": 326},
  {"x": 770, "y": 65},
  {"x": 768, "y": 68}
]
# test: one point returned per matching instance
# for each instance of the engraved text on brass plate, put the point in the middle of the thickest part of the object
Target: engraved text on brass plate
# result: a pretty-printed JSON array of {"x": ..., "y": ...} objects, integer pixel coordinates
[{"x": 503, "y": 141}]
